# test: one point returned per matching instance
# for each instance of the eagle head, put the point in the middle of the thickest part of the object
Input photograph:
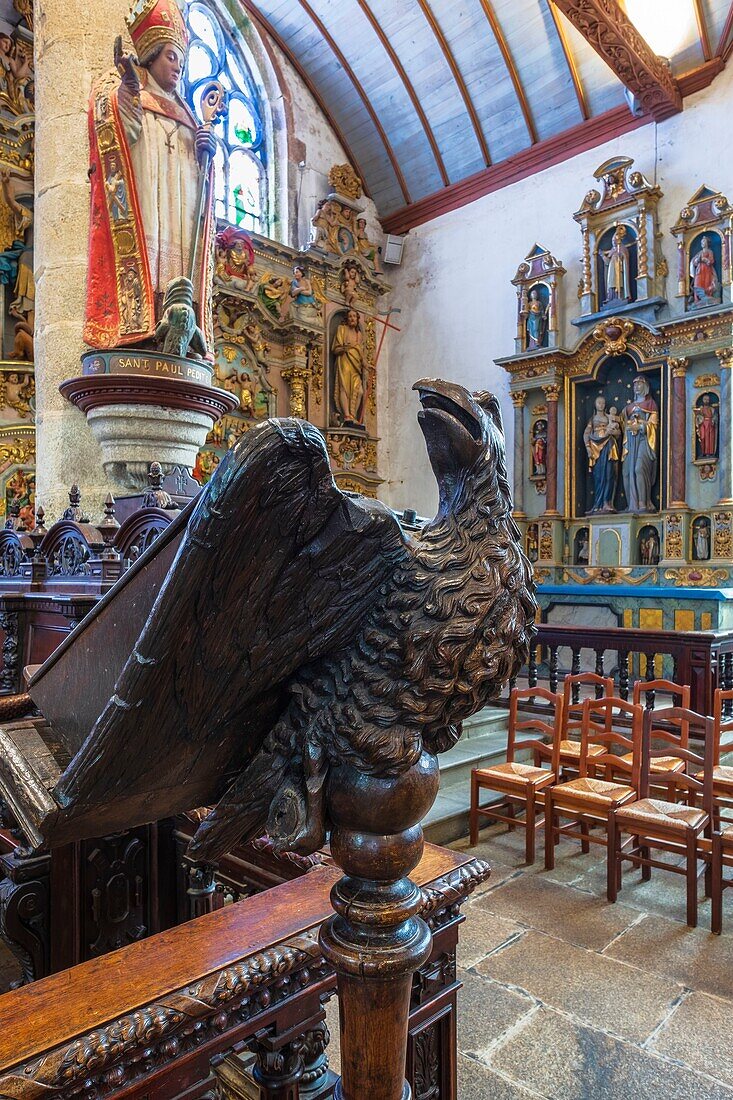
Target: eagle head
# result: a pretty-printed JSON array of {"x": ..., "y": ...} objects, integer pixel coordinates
[{"x": 464, "y": 435}]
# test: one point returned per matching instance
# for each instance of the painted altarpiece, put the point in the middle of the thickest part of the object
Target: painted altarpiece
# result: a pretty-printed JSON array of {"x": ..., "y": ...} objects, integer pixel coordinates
[
  {"x": 635, "y": 407},
  {"x": 277, "y": 315}
]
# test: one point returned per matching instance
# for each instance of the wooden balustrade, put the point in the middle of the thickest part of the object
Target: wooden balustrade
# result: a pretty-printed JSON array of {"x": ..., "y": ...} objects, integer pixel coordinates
[
  {"x": 704, "y": 660},
  {"x": 165, "y": 1016}
]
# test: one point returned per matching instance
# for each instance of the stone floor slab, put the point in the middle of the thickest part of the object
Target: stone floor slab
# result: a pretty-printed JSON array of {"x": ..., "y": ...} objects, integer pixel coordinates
[
  {"x": 698, "y": 1033},
  {"x": 564, "y": 911},
  {"x": 477, "y": 1082},
  {"x": 560, "y": 1059},
  {"x": 482, "y": 933},
  {"x": 664, "y": 894},
  {"x": 485, "y": 1012},
  {"x": 692, "y": 956},
  {"x": 596, "y": 990}
]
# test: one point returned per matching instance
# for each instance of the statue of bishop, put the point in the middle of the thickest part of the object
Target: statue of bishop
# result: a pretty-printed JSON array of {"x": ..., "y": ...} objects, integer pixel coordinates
[{"x": 148, "y": 155}]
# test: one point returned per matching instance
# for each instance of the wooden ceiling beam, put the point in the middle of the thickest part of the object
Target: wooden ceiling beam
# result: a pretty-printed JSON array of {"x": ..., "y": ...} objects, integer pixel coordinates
[
  {"x": 511, "y": 68},
  {"x": 702, "y": 30},
  {"x": 268, "y": 28},
  {"x": 341, "y": 58},
  {"x": 570, "y": 59},
  {"x": 409, "y": 88},
  {"x": 586, "y": 135},
  {"x": 614, "y": 37},
  {"x": 447, "y": 53}
]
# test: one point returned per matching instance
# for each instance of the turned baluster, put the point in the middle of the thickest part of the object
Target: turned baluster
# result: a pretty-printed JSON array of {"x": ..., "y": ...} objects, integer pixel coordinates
[
  {"x": 623, "y": 674},
  {"x": 599, "y": 671},
  {"x": 575, "y": 669},
  {"x": 553, "y": 668},
  {"x": 649, "y": 695},
  {"x": 728, "y": 661},
  {"x": 376, "y": 940},
  {"x": 532, "y": 667}
]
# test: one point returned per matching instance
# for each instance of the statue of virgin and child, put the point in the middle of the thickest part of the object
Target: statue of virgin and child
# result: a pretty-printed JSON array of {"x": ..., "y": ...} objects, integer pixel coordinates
[{"x": 629, "y": 440}]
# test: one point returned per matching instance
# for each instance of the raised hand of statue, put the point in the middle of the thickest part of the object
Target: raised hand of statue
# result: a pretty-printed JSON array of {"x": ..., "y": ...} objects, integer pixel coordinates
[
  {"x": 126, "y": 67},
  {"x": 205, "y": 145}
]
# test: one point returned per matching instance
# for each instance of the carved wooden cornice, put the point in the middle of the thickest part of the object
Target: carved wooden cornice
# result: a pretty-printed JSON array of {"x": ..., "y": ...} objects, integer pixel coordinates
[
  {"x": 614, "y": 37},
  {"x": 120, "y": 1051}
]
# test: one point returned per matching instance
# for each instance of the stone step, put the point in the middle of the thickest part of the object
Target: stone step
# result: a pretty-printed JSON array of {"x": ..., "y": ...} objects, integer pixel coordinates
[{"x": 483, "y": 743}]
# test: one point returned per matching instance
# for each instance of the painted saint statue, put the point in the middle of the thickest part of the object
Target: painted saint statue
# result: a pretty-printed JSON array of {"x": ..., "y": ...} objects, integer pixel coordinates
[
  {"x": 536, "y": 321},
  {"x": 147, "y": 152},
  {"x": 704, "y": 282},
  {"x": 706, "y": 427},
  {"x": 349, "y": 370},
  {"x": 618, "y": 268},
  {"x": 601, "y": 439},
  {"x": 641, "y": 427}
]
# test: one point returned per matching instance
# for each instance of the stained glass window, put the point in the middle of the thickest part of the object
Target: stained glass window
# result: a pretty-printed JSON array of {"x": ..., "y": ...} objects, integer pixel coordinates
[{"x": 241, "y": 192}]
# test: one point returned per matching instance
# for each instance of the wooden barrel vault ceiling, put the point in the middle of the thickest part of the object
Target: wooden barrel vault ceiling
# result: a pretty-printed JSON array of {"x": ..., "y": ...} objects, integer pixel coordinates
[{"x": 439, "y": 101}]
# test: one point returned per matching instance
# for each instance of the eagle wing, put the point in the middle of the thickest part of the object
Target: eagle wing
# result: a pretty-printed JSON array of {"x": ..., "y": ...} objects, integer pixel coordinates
[{"x": 277, "y": 567}]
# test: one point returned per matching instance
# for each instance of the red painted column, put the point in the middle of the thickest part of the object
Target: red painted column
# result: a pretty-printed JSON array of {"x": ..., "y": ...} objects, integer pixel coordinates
[
  {"x": 678, "y": 442},
  {"x": 552, "y": 393}
]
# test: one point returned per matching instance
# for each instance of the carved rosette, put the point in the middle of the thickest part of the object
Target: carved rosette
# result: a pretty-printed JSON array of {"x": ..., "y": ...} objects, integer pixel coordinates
[{"x": 614, "y": 334}]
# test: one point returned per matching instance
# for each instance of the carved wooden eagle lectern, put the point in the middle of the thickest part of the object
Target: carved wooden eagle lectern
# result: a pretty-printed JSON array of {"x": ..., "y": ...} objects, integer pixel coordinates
[{"x": 297, "y": 631}]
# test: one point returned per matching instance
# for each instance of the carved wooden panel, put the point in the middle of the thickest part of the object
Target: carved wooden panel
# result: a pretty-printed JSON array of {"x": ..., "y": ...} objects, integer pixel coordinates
[{"x": 115, "y": 892}]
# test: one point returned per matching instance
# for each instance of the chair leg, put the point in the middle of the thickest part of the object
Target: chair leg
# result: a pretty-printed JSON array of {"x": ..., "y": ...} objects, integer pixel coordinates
[
  {"x": 510, "y": 812},
  {"x": 530, "y": 828},
  {"x": 473, "y": 816},
  {"x": 691, "y": 878},
  {"x": 611, "y": 858},
  {"x": 550, "y": 817},
  {"x": 585, "y": 843},
  {"x": 646, "y": 872},
  {"x": 716, "y": 893}
]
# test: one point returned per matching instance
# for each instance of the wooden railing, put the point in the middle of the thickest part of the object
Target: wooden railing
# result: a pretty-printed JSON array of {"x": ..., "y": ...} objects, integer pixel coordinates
[
  {"x": 704, "y": 660},
  {"x": 167, "y": 1016}
]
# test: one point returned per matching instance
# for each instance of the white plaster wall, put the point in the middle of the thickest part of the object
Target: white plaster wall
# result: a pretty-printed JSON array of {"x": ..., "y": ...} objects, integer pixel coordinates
[{"x": 458, "y": 304}]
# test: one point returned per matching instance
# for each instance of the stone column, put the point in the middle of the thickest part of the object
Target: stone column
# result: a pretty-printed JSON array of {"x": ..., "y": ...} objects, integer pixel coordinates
[
  {"x": 552, "y": 393},
  {"x": 73, "y": 45},
  {"x": 678, "y": 449},
  {"x": 518, "y": 400},
  {"x": 725, "y": 357}
]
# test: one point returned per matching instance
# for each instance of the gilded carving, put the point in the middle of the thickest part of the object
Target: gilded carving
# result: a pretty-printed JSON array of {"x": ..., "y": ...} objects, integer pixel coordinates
[
  {"x": 315, "y": 363},
  {"x": 673, "y": 547},
  {"x": 344, "y": 179},
  {"x": 608, "y": 575},
  {"x": 696, "y": 578},
  {"x": 614, "y": 334},
  {"x": 679, "y": 366},
  {"x": 722, "y": 535},
  {"x": 705, "y": 381},
  {"x": 546, "y": 541},
  {"x": 352, "y": 450},
  {"x": 297, "y": 378}
]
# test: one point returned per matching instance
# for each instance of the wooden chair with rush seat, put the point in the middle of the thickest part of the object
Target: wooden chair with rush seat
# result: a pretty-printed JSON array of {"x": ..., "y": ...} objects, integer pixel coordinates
[
  {"x": 587, "y": 800},
  {"x": 666, "y": 825},
  {"x": 521, "y": 784},
  {"x": 572, "y": 715},
  {"x": 663, "y": 769}
]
